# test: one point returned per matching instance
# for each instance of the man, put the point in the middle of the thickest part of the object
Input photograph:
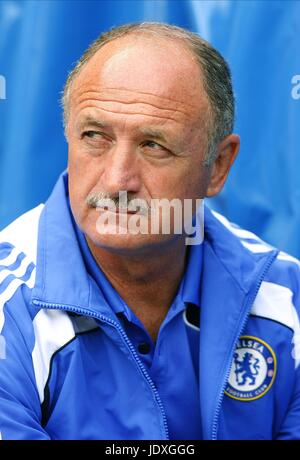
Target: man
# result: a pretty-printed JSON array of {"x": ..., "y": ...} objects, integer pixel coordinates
[{"x": 112, "y": 333}]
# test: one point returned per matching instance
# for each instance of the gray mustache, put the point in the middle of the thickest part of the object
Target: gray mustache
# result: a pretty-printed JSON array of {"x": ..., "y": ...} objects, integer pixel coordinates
[{"x": 123, "y": 201}]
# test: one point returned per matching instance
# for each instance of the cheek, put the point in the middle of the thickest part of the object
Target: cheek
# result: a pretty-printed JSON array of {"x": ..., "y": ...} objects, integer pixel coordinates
[
  {"x": 195, "y": 178},
  {"x": 84, "y": 171},
  {"x": 83, "y": 178},
  {"x": 77, "y": 177},
  {"x": 186, "y": 181},
  {"x": 197, "y": 185}
]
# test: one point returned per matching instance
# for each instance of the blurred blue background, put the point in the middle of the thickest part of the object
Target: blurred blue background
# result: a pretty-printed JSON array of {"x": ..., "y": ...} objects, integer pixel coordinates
[{"x": 41, "y": 40}]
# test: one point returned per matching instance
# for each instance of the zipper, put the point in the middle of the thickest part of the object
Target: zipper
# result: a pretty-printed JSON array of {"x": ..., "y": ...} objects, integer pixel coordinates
[
  {"x": 250, "y": 302},
  {"x": 124, "y": 337}
]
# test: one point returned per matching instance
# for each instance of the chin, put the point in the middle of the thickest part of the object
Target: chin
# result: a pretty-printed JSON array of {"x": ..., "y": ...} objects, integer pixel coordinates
[
  {"x": 124, "y": 243},
  {"x": 129, "y": 245}
]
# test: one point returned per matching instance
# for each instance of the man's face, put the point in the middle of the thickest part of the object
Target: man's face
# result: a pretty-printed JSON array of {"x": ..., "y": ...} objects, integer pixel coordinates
[{"x": 138, "y": 123}]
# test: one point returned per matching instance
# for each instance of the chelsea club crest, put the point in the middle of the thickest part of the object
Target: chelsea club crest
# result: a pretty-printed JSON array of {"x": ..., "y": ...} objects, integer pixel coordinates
[{"x": 253, "y": 369}]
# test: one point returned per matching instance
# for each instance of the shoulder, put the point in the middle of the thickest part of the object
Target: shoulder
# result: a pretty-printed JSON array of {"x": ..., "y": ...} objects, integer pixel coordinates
[
  {"x": 22, "y": 233},
  {"x": 18, "y": 252},
  {"x": 284, "y": 263},
  {"x": 278, "y": 297}
]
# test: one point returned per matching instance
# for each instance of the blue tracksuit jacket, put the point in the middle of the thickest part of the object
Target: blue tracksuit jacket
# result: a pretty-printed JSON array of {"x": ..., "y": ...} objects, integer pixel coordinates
[{"x": 68, "y": 370}]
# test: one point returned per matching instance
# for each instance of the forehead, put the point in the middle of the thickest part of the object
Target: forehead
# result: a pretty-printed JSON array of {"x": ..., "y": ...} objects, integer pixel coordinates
[{"x": 159, "y": 73}]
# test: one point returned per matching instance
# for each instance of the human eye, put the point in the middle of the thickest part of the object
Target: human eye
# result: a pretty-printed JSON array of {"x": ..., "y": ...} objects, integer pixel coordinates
[
  {"x": 96, "y": 139},
  {"x": 154, "y": 149},
  {"x": 153, "y": 145},
  {"x": 95, "y": 142},
  {"x": 91, "y": 134}
]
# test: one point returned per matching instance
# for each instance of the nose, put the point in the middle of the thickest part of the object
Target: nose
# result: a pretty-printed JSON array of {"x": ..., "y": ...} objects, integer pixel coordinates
[{"x": 121, "y": 170}]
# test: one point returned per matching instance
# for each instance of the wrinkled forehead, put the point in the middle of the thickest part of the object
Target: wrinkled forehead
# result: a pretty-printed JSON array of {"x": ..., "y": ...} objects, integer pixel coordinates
[{"x": 163, "y": 71}]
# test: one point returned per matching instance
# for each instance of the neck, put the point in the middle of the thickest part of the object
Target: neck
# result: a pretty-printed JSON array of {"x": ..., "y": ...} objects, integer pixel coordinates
[{"x": 147, "y": 283}]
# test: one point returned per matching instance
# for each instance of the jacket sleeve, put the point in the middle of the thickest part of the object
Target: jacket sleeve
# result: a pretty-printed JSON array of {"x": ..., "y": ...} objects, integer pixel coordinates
[
  {"x": 290, "y": 428},
  {"x": 20, "y": 408}
]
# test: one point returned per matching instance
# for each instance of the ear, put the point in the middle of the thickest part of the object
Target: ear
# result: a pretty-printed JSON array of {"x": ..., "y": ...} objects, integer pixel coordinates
[{"x": 226, "y": 154}]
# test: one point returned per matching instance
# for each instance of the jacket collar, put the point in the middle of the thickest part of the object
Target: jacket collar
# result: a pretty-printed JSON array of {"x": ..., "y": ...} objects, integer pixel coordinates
[{"x": 231, "y": 276}]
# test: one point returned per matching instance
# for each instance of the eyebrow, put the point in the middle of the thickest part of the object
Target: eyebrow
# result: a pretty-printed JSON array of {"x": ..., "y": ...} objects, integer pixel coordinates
[
  {"x": 90, "y": 121},
  {"x": 152, "y": 132}
]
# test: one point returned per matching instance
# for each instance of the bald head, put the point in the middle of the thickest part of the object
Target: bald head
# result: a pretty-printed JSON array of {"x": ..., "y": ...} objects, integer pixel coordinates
[
  {"x": 157, "y": 67},
  {"x": 152, "y": 64}
]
